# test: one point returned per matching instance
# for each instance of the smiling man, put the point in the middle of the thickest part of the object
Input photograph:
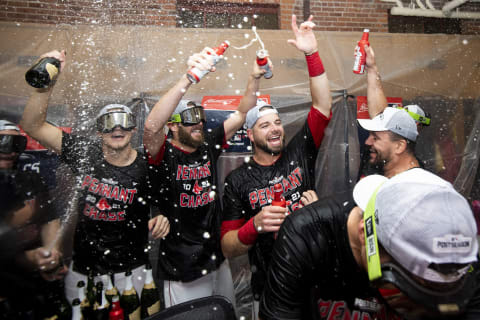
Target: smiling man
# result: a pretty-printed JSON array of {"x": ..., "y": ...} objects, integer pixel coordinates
[
  {"x": 391, "y": 141},
  {"x": 113, "y": 216},
  {"x": 250, "y": 222},
  {"x": 183, "y": 175}
]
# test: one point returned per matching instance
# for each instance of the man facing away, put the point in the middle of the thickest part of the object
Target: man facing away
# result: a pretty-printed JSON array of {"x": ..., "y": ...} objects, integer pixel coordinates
[
  {"x": 183, "y": 173},
  {"x": 249, "y": 221},
  {"x": 111, "y": 234},
  {"x": 408, "y": 250}
]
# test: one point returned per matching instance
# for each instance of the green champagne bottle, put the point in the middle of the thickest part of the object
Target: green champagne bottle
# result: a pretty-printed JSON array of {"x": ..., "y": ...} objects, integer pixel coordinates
[
  {"x": 129, "y": 299},
  {"x": 85, "y": 305},
  {"x": 91, "y": 290},
  {"x": 101, "y": 306},
  {"x": 110, "y": 289},
  {"x": 150, "y": 298}
]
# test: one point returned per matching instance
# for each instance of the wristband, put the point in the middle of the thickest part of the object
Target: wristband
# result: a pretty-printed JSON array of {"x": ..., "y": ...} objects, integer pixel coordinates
[
  {"x": 247, "y": 234},
  {"x": 315, "y": 65}
]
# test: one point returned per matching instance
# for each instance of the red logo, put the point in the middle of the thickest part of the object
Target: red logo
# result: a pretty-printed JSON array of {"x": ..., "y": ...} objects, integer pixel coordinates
[
  {"x": 103, "y": 205},
  {"x": 196, "y": 188}
]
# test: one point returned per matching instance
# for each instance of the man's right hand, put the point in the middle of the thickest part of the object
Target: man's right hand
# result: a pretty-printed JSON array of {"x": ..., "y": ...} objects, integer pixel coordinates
[
  {"x": 270, "y": 219},
  {"x": 203, "y": 60},
  {"x": 59, "y": 55}
]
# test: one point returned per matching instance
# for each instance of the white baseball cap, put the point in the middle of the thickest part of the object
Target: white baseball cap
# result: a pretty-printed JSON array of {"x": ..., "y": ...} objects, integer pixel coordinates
[
  {"x": 422, "y": 222},
  {"x": 256, "y": 113},
  {"x": 392, "y": 119}
]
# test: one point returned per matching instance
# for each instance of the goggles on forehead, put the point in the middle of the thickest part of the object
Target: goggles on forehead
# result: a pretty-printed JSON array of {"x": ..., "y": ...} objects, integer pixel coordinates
[
  {"x": 190, "y": 116},
  {"x": 108, "y": 122},
  {"x": 446, "y": 302},
  {"x": 424, "y": 120},
  {"x": 12, "y": 143}
]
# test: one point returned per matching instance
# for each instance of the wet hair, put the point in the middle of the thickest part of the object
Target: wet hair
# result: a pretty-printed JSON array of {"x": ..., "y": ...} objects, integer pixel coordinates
[{"x": 410, "y": 144}]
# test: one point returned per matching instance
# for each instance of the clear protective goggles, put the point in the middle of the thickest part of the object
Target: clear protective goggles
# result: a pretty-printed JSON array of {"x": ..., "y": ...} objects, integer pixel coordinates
[
  {"x": 108, "y": 122},
  {"x": 12, "y": 143},
  {"x": 443, "y": 302},
  {"x": 190, "y": 117}
]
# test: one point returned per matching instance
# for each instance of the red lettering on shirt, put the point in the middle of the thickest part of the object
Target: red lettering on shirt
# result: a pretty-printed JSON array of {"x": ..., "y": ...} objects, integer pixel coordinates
[{"x": 86, "y": 181}]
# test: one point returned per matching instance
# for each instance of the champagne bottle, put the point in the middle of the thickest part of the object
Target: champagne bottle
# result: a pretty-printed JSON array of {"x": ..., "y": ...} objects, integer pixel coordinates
[
  {"x": 195, "y": 74},
  {"x": 101, "y": 306},
  {"x": 85, "y": 305},
  {"x": 278, "y": 199},
  {"x": 76, "y": 309},
  {"x": 150, "y": 299},
  {"x": 43, "y": 73},
  {"x": 91, "y": 290},
  {"x": 262, "y": 61},
  {"x": 110, "y": 290},
  {"x": 116, "y": 312},
  {"x": 129, "y": 299}
]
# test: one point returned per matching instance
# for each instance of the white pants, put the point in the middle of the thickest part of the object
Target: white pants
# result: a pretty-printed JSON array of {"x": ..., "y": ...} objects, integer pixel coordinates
[
  {"x": 72, "y": 278},
  {"x": 218, "y": 282}
]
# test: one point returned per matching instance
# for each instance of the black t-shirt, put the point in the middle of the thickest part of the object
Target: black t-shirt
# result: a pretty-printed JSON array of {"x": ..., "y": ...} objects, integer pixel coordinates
[
  {"x": 113, "y": 213},
  {"x": 313, "y": 274},
  {"x": 185, "y": 186},
  {"x": 249, "y": 188}
]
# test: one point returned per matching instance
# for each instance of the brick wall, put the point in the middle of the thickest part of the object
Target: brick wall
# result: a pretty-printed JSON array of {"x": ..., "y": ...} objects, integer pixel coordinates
[{"x": 330, "y": 15}]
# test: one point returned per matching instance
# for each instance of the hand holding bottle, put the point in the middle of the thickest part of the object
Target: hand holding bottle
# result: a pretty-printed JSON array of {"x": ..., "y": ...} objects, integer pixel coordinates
[
  {"x": 202, "y": 63},
  {"x": 46, "y": 70},
  {"x": 270, "y": 219}
]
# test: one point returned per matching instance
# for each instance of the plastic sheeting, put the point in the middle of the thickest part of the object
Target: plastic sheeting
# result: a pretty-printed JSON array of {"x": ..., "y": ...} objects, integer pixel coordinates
[{"x": 122, "y": 63}]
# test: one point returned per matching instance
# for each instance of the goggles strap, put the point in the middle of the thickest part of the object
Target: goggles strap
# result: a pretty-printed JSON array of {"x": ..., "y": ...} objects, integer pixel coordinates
[{"x": 371, "y": 241}]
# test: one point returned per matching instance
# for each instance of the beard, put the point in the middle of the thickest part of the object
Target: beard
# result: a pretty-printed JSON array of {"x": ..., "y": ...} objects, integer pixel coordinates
[
  {"x": 379, "y": 161},
  {"x": 185, "y": 138},
  {"x": 263, "y": 145}
]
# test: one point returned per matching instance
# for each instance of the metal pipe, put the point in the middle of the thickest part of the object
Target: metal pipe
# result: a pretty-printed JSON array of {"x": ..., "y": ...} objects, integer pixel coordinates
[
  {"x": 449, "y": 6},
  {"x": 420, "y": 4},
  {"x": 433, "y": 13}
]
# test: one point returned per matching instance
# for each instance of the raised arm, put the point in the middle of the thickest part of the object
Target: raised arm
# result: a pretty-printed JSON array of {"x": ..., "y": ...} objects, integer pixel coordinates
[
  {"x": 376, "y": 99},
  {"x": 154, "y": 135},
  {"x": 249, "y": 100},
  {"x": 35, "y": 113},
  {"x": 306, "y": 42}
]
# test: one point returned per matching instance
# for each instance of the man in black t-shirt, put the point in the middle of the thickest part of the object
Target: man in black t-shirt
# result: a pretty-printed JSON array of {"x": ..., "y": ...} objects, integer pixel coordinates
[
  {"x": 407, "y": 250},
  {"x": 249, "y": 221},
  {"x": 110, "y": 195},
  {"x": 183, "y": 175},
  {"x": 29, "y": 254}
]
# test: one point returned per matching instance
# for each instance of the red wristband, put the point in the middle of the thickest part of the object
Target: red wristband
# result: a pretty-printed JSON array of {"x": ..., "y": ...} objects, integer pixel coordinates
[
  {"x": 247, "y": 234},
  {"x": 315, "y": 65}
]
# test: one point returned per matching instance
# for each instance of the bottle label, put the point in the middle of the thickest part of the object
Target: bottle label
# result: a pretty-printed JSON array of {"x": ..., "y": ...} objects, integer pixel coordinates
[
  {"x": 154, "y": 308},
  {"x": 150, "y": 285},
  {"x": 111, "y": 292},
  {"x": 52, "y": 70},
  {"x": 359, "y": 64},
  {"x": 128, "y": 292},
  {"x": 135, "y": 315}
]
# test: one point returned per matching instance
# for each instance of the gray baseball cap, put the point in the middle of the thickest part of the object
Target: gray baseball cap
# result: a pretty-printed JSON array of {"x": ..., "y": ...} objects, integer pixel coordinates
[
  {"x": 392, "y": 119},
  {"x": 256, "y": 113},
  {"x": 7, "y": 125},
  {"x": 422, "y": 222}
]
